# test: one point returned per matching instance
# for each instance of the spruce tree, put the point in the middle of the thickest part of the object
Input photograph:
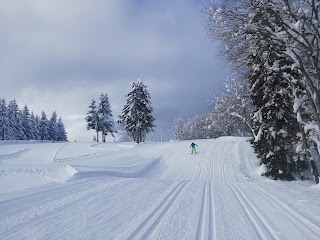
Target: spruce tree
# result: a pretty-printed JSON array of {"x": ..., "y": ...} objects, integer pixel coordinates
[
  {"x": 105, "y": 117},
  {"x": 137, "y": 112},
  {"x": 53, "y": 132},
  {"x": 38, "y": 126},
  {"x": 15, "y": 129},
  {"x": 4, "y": 121},
  {"x": 61, "y": 132},
  {"x": 275, "y": 124},
  {"x": 44, "y": 127},
  {"x": 27, "y": 123},
  {"x": 92, "y": 118},
  {"x": 34, "y": 126}
]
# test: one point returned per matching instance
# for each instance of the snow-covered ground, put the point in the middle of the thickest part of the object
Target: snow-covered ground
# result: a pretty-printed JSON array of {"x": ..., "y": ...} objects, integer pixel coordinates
[{"x": 149, "y": 191}]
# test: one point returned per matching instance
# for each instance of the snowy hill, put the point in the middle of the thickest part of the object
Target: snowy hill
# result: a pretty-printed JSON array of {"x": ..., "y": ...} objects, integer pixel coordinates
[{"x": 149, "y": 191}]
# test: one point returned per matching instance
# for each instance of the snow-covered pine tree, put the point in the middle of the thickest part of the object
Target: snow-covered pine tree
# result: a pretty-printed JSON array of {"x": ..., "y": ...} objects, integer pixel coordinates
[
  {"x": 105, "y": 118},
  {"x": 137, "y": 112},
  {"x": 27, "y": 123},
  {"x": 53, "y": 131},
  {"x": 92, "y": 118},
  {"x": 4, "y": 121},
  {"x": 61, "y": 132},
  {"x": 274, "y": 120},
  {"x": 15, "y": 129},
  {"x": 231, "y": 23},
  {"x": 299, "y": 32},
  {"x": 38, "y": 121},
  {"x": 34, "y": 126},
  {"x": 44, "y": 126}
]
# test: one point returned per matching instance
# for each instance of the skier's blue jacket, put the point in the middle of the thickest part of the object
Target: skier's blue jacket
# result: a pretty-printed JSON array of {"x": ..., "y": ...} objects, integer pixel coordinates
[{"x": 193, "y": 145}]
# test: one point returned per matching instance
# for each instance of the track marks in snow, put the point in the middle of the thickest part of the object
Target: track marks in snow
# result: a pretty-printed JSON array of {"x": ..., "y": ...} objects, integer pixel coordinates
[
  {"x": 13, "y": 155},
  {"x": 50, "y": 206},
  {"x": 206, "y": 158},
  {"x": 56, "y": 152},
  {"x": 259, "y": 223},
  {"x": 211, "y": 166},
  {"x": 207, "y": 223},
  {"x": 150, "y": 224},
  {"x": 202, "y": 159},
  {"x": 222, "y": 201},
  {"x": 295, "y": 223}
]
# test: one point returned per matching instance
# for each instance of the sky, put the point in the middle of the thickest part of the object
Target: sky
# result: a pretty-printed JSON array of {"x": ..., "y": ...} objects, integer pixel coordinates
[{"x": 57, "y": 55}]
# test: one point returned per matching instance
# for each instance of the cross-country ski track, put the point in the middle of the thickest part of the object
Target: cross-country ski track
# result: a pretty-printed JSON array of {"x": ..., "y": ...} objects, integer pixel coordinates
[{"x": 149, "y": 191}]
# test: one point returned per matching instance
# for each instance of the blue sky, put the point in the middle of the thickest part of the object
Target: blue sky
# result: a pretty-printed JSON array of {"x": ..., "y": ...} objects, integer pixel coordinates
[{"x": 57, "y": 55}]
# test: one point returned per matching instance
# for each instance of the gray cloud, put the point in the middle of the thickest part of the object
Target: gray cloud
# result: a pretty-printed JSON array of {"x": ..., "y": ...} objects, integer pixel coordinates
[{"x": 56, "y": 55}]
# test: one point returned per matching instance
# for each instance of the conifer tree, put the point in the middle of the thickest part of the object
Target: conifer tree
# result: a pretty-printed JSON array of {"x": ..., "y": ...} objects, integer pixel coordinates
[
  {"x": 92, "y": 118},
  {"x": 4, "y": 120},
  {"x": 26, "y": 123},
  {"x": 61, "y": 132},
  {"x": 53, "y": 127},
  {"x": 44, "y": 127},
  {"x": 137, "y": 112},
  {"x": 277, "y": 44},
  {"x": 105, "y": 118},
  {"x": 15, "y": 130},
  {"x": 38, "y": 126},
  {"x": 34, "y": 123}
]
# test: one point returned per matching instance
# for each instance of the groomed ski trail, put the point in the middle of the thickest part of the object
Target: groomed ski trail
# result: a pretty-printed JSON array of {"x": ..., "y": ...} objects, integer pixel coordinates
[
  {"x": 207, "y": 224},
  {"x": 148, "y": 226},
  {"x": 209, "y": 195}
]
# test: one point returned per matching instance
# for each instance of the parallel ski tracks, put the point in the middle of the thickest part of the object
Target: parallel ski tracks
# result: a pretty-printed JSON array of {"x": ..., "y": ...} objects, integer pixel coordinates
[
  {"x": 211, "y": 167},
  {"x": 259, "y": 223},
  {"x": 198, "y": 174},
  {"x": 296, "y": 216},
  {"x": 150, "y": 224},
  {"x": 222, "y": 166},
  {"x": 207, "y": 223}
]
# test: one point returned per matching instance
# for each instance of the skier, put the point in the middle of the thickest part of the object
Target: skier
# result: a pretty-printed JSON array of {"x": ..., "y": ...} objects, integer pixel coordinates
[{"x": 193, "y": 148}]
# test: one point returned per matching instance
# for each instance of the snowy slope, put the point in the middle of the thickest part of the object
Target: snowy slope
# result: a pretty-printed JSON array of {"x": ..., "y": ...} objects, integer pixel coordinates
[{"x": 149, "y": 191}]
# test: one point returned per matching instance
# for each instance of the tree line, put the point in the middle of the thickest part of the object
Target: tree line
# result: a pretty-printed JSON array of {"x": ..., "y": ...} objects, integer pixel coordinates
[
  {"x": 228, "y": 115},
  {"x": 16, "y": 124},
  {"x": 135, "y": 121},
  {"x": 274, "y": 46}
]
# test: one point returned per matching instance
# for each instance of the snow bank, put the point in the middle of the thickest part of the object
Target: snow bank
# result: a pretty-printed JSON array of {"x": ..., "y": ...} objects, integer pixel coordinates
[
  {"x": 133, "y": 171},
  {"x": 13, "y": 154},
  {"x": 126, "y": 146},
  {"x": 262, "y": 170},
  {"x": 23, "y": 177},
  {"x": 248, "y": 162},
  {"x": 62, "y": 174},
  {"x": 23, "y": 141},
  {"x": 316, "y": 186}
]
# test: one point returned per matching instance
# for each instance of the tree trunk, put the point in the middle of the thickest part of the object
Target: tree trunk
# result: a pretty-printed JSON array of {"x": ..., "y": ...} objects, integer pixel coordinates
[
  {"x": 312, "y": 155},
  {"x": 97, "y": 136}
]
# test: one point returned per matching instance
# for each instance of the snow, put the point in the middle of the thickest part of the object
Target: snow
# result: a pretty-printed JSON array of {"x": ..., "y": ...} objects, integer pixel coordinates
[
  {"x": 262, "y": 169},
  {"x": 85, "y": 190}
]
